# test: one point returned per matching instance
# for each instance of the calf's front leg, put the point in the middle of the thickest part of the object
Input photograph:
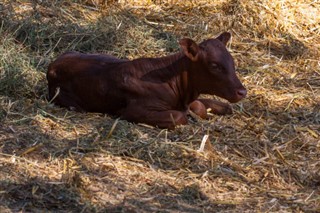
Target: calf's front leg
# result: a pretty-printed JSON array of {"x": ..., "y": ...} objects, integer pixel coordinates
[
  {"x": 162, "y": 119},
  {"x": 200, "y": 107},
  {"x": 217, "y": 107}
]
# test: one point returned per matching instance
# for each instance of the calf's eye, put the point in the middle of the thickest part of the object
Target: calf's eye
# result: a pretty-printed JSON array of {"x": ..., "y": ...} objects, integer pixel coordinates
[{"x": 214, "y": 65}]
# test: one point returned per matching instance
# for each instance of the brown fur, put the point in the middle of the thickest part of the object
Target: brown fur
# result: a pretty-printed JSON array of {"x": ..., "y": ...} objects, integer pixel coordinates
[{"x": 156, "y": 91}]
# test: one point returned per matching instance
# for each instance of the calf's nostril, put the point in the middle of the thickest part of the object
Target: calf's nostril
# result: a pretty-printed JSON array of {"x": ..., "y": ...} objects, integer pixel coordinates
[{"x": 242, "y": 92}]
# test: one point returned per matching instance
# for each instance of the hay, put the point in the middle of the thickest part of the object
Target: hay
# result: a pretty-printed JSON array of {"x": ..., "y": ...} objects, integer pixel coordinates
[{"x": 264, "y": 157}]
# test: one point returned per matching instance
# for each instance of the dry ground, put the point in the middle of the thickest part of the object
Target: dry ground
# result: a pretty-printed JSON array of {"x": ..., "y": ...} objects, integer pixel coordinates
[{"x": 263, "y": 158}]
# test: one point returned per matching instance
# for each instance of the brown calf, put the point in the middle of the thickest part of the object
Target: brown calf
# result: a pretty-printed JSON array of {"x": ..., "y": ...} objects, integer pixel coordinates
[{"x": 155, "y": 91}]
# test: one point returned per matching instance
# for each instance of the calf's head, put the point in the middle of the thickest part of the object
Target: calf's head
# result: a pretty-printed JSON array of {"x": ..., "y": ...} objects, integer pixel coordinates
[{"x": 212, "y": 68}]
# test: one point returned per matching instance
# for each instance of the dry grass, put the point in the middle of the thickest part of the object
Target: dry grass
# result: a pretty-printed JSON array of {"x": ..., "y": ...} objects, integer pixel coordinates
[{"x": 263, "y": 158}]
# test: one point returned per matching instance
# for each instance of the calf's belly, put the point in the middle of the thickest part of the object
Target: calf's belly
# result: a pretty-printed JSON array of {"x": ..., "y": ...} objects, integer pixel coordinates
[{"x": 85, "y": 98}]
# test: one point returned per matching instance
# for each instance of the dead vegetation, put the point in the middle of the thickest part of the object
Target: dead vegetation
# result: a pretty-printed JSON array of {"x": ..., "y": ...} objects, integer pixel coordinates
[{"x": 263, "y": 158}]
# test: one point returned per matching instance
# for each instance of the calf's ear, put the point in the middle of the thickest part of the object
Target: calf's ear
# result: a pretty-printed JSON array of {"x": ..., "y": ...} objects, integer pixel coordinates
[
  {"x": 224, "y": 37},
  {"x": 190, "y": 48}
]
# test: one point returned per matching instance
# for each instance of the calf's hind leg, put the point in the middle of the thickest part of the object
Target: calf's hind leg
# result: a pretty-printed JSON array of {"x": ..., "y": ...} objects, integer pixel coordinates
[{"x": 65, "y": 99}]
